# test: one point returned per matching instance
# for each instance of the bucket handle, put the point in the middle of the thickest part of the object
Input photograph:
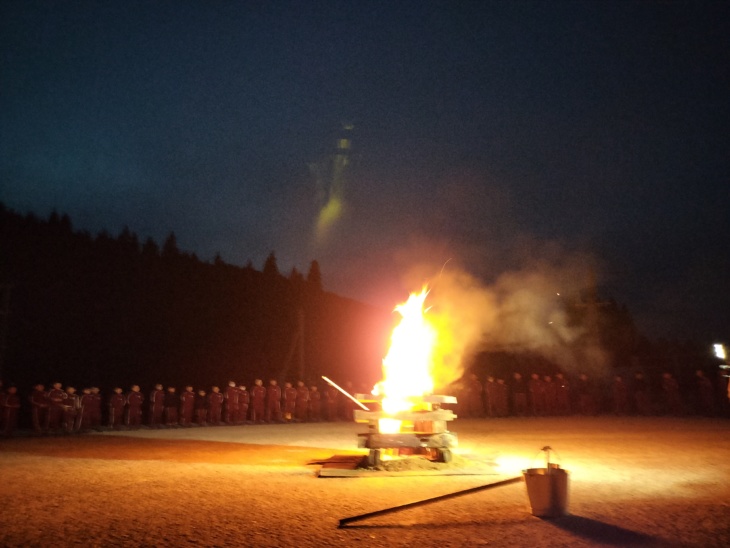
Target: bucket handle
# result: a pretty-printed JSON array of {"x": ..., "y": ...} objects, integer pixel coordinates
[{"x": 547, "y": 450}]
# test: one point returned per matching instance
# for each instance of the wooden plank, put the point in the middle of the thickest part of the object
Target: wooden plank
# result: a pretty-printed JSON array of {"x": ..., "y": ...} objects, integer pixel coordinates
[{"x": 372, "y": 416}]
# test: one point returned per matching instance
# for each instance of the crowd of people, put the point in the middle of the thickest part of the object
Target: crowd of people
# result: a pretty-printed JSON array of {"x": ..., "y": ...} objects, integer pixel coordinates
[
  {"x": 555, "y": 395},
  {"x": 65, "y": 410}
]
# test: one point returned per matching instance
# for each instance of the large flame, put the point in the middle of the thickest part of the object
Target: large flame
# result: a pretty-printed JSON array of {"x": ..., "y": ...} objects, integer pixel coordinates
[{"x": 407, "y": 367}]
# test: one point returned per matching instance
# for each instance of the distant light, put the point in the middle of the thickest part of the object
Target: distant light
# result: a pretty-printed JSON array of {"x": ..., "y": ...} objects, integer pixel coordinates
[{"x": 720, "y": 351}]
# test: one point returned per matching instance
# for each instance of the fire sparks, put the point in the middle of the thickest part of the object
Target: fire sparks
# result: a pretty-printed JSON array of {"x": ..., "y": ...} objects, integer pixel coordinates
[{"x": 408, "y": 364}]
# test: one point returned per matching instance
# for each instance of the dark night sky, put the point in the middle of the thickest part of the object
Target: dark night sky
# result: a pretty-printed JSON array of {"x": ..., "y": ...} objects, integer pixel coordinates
[{"x": 492, "y": 133}]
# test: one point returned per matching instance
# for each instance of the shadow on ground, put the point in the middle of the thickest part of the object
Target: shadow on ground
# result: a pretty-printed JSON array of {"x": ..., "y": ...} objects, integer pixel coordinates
[{"x": 605, "y": 533}]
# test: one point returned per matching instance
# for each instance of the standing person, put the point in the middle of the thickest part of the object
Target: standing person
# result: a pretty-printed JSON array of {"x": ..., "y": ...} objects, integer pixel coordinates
[
  {"x": 672, "y": 399},
  {"x": 117, "y": 401},
  {"x": 201, "y": 408},
  {"x": 244, "y": 399},
  {"x": 215, "y": 404},
  {"x": 187, "y": 406},
  {"x": 551, "y": 395},
  {"x": 302, "y": 402},
  {"x": 620, "y": 396},
  {"x": 347, "y": 406},
  {"x": 562, "y": 395},
  {"x": 704, "y": 394},
  {"x": 156, "y": 406},
  {"x": 71, "y": 407},
  {"x": 9, "y": 411},
  {"x": 519, "y": 395},
  {"x": 135, "y": 401},
  {"x": 330, "y": 396},
  {"x": 87, "y": 408},
  {"x": 172, "y": 404},
  {"x": 258, "y": 401},
  {"x": 315, "y": 404},
  {"x": 490, "y": 397},
  {"x": 501, "y": 404},
  {"x": 472, "y": 396},
  {"x": 642, "y": 400},
  {"x": 39, "y": 408},
  {"x": 586, "y": 400},
  {"x": 273, "y": 402},
  {"x": 537, "y": 395},
  {"x": 231, "y": 397},
  {"x": 95, "y": 405},
  {"x": 289, "y": 395},
  {"x": 56, "y": 399}
]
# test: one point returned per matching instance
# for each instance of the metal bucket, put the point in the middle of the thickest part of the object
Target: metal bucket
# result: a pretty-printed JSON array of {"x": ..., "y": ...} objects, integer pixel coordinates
[{"x": 547, "y": 489}]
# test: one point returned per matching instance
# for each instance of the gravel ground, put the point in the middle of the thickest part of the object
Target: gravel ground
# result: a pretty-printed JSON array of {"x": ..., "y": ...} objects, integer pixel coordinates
[{"x": 634, "y": 481}]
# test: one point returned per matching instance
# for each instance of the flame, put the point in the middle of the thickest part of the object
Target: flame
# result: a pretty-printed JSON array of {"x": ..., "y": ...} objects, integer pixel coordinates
[{"x": 408, "y": 365}]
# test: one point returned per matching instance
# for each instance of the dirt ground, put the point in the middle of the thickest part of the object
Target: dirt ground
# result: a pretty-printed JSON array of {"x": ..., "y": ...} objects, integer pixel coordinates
[{"x": 633, "y": 481}]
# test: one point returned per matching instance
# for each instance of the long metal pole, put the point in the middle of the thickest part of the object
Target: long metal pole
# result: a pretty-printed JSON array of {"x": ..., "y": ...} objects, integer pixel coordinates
[
  {"x": 345, "y": 392},
  {"x": 345, "y": 521}
]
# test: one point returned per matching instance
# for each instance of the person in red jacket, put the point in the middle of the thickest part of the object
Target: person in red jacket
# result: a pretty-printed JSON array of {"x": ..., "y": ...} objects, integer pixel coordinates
[
  {"x": 157, "y": 406},
  {"x": 231, "y": 401},
  {"x": 619, "y": 396},
  {"x": 87, "y": 404},
  {"x": 95, "y": 408},
  {"x": 330, "y": 396},
  {"x": 56, "y": 399},
  {"x": 258, "y": 401},
  {"x": 39, "y": 408},
  {"x": 244, "y": 399},
  {"x": 187, "y": 406},
  {"x": 289, "y": 395},
  {"x": 215, "y": 404},
  {"x": 501, "y": 406},
  {"x": 172, "y": 405},
  {"x": 9, "y": 411},
  {"x": 490, "y": 396},
  {"x": 117, "y": 402},
  {"x": 273, "y": 402},
  {"x": 302, "y": 407},
  {"x": 71, "y": 407},
  {"x": 315, "y": 404},
  {"x": 201, "y": 408},
  {"x": 135, "y": 400}
]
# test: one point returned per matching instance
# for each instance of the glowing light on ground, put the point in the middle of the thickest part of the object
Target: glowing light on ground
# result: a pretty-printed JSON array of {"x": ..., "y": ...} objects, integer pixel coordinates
[{"x": 512, "y": 464}]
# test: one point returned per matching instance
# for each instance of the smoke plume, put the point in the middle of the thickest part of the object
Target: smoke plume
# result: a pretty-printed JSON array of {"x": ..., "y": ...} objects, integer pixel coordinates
[{"x": 523, "y": 311}]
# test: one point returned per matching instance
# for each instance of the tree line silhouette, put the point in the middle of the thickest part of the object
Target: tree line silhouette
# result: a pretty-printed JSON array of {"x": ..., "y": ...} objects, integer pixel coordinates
[
  {"x": 110, "y": 310},
  {"x": 104, "y": 310}
]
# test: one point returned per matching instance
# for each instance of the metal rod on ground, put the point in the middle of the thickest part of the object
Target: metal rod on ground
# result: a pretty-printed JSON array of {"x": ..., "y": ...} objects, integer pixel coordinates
[
  {"x": 345, "y": 392},
  {"x": 345, "y": 521}
]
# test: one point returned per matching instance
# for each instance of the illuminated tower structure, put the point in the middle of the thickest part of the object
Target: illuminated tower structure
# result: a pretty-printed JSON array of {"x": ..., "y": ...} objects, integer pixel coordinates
[{"x": 332, "y": 181}]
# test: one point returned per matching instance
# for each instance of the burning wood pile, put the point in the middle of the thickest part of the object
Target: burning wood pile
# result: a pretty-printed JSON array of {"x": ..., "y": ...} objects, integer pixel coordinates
[
  {"x": 420, "y": 430},
  {"x": 409, "y": 420}
]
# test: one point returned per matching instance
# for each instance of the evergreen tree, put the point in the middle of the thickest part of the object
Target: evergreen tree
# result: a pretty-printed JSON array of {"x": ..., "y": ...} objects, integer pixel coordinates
[
  {"x": 169, "y": 248},
  {"x": 150, "y": 248},
  {"x": 271, "y": 269},
  {"x": 295, "y": 276},
  {"x": 314, "y": 276}
]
